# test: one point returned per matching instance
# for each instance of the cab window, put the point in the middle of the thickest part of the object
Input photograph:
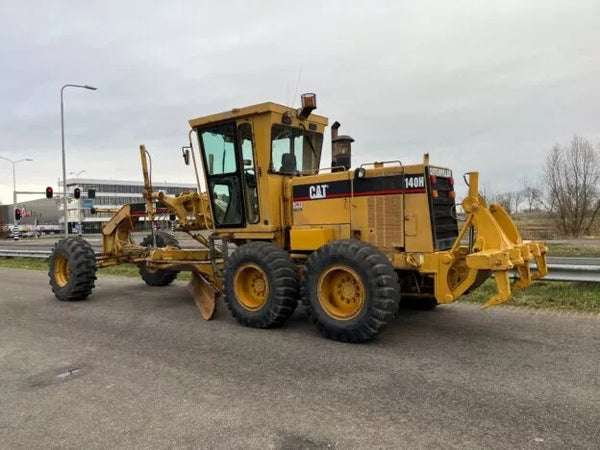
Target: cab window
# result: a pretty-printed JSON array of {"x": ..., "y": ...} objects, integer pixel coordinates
[
  {"x": 249, "y": 173},
  {"x": 295, "y": 150},
  {"x": 219, "y": 148},
  {"x": 218, "y": 144}
]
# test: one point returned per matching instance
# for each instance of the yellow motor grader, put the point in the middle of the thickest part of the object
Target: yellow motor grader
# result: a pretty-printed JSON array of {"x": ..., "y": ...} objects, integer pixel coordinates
[{"x": 276, "y": 229}]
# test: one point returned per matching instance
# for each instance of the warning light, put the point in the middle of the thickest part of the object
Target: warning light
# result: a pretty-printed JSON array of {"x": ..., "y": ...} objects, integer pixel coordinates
[{"x": 49, "y": 192}]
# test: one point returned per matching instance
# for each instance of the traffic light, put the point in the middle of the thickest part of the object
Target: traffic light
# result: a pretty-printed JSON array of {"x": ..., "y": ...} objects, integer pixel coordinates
[
  {"x": 49, "y": 192},
  {"x": 77, "y": 193},
  {"x": 93, "y": 210},
  {"x": 17, "y": 214},
  {"x": 91, "y": 193}
]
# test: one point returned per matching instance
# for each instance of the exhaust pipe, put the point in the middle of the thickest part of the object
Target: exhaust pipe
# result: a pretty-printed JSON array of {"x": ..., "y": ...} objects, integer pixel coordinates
[{"x": 341, "y": 150}]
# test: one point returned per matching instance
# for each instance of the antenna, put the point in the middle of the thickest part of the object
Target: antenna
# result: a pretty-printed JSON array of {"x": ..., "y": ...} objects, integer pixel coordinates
[{"x": 297, "y": 84}]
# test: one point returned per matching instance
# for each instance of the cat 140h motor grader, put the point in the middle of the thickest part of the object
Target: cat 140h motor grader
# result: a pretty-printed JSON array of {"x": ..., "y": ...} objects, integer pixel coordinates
[{"x": 277, "y": 229}]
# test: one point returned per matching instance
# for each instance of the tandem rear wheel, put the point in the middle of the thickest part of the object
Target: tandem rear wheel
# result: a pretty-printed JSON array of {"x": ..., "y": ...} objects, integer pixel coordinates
[
  {"x": 260, "y": 285},
  {"x": 350, "y": 289}
]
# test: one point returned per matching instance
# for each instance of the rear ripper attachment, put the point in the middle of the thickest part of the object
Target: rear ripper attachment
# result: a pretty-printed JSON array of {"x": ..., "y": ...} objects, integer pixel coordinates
[{"x": 495, "y": 247}]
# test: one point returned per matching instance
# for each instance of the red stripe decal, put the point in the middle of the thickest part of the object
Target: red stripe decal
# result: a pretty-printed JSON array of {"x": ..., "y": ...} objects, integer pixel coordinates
[{"x": 363, "y": 194}]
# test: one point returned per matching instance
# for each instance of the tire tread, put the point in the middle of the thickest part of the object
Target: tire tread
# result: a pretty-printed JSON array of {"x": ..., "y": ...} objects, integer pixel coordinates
[{"x": 381, "y": 282}]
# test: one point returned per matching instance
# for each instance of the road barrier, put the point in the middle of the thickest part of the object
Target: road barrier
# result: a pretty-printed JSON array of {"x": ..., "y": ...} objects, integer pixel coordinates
[
  {"x": 24, "y": 253},
  {"x": 561, "y": 269}
]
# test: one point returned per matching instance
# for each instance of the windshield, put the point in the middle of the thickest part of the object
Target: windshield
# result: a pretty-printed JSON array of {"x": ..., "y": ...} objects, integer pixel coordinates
[
  {"x": 218, "y": 143},
  {"x": 295, "y": 150}
]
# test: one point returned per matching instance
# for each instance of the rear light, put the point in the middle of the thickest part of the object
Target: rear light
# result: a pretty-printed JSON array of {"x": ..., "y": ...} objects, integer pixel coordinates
[
  {"x": 433, "y": 179},
  {"x": 451, "y": 181},
  {"x": 435, "y": 193},
  {"x": 451, "y": 194}
]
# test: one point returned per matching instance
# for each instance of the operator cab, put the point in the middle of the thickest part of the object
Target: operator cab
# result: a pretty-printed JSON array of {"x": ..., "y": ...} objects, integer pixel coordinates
[{"x": 246, "y": 154}]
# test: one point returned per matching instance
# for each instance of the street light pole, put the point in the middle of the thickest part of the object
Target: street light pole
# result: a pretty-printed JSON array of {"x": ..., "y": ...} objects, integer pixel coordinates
[
  {"x": 14, "y": 163},
  {"x": 62, "y": 135},
  {"x": 77, "y": 174}
]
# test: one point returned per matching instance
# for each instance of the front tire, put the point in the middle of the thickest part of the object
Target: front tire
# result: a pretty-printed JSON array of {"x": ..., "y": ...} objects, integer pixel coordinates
[
  {"x": 260, "y": 285},
  {"x": 158, "y": 277},
  {"x": 351, "y": 290},
  {"x": 72, "y": 269}
]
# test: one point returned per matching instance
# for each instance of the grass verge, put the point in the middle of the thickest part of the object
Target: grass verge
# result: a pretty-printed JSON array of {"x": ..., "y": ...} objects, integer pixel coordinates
[
  {"x": 125, "y": 270},
  {"x": 555, "y": 295},
  {"x": 574, "y": 250}
]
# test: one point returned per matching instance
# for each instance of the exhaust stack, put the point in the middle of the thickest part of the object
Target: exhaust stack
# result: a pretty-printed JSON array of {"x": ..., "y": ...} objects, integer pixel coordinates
[{"x": 341, "y": 149}]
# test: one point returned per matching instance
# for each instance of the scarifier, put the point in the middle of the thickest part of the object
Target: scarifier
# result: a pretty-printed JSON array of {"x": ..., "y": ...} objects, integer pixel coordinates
[{"x": 276, "y": 229}]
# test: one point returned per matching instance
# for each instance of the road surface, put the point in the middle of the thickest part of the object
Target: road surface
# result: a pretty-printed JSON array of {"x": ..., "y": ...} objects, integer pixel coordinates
[{"x": 135, "y": 366}]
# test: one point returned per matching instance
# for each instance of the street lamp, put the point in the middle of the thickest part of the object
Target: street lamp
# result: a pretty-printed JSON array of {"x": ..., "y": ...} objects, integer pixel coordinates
[
  {"x": 77, "y": 174},
  {"x": 14, "y": 163},
  {"x": 62, "y": 134}
]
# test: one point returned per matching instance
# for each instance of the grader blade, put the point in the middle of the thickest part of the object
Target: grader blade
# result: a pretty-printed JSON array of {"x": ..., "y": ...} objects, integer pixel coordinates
[{"x": 204, "y": 296}]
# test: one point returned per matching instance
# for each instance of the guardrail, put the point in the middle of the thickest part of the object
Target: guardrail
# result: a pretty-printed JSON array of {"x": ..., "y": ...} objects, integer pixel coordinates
[
  {"x": 24, "y": 253},
  {"x": 561, "y": 269},
  {"x": 572, "y": 269}
]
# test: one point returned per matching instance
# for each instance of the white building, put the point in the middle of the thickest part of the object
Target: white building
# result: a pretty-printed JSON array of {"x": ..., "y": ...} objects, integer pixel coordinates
[{"x": 111, "y": 194}]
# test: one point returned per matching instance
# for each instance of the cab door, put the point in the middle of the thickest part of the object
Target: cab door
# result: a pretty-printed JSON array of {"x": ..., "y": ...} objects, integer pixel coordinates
[
  {"x": 222, "y": 166},
  {"x": 229, "y": 163}
]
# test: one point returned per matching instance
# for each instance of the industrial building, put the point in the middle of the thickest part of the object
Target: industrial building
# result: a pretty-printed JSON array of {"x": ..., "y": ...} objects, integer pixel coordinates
[{"x": 47, "y": 214}]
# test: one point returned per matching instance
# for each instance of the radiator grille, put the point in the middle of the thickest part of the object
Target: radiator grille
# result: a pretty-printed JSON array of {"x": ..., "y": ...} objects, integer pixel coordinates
[{"x": 385, "y": 221}]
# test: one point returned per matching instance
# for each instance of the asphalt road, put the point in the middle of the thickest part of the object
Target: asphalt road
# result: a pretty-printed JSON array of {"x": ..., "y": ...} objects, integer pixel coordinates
[{"x": 137, "y": 367}]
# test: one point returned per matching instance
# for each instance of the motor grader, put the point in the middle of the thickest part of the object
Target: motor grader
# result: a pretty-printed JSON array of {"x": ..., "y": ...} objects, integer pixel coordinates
[{"x": 276, "y": 229}]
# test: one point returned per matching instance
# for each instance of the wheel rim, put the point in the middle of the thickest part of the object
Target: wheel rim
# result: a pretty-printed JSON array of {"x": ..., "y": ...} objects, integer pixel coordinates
[
  {"x": 341, "y": 292},
  {"x": 62, "y": 270},
  {"x": 251, "y": 286}
]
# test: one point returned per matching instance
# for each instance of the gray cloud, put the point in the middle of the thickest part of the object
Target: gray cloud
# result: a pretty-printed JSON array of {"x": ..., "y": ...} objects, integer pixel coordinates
[{"x": 479, "y": 85}]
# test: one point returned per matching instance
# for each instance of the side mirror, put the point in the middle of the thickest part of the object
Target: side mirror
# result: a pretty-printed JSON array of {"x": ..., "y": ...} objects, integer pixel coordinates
[{"x": 186, "y": 155}]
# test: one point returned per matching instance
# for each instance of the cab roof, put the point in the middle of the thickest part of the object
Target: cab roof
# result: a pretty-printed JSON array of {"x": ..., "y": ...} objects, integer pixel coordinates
[{"x": 237, "y": 113}]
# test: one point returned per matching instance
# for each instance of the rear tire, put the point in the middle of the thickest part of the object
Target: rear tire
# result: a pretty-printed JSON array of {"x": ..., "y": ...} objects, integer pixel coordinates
[
  {"x": 351, "y": 290},
  {"x": 260, "y": 285},
  {"x": 158, "y": 277},
  {"x": 72, "y": 269}
]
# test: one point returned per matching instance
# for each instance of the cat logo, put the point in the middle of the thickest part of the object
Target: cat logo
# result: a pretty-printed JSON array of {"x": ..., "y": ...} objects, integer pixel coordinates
[{"x": 318, "y": 191}]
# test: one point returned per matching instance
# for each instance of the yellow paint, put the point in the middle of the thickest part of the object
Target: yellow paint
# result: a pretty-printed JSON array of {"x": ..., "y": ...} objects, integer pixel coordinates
[
  {"x": 341, "y": 292},
  {"x": 310, "y": 239},
  {"x": 251, "y": 286},
  {"x": 62, "y": 270}
]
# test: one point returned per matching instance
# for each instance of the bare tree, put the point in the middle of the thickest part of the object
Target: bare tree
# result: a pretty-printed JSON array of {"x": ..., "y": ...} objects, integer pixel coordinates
[
  {"x": 572, "y": 176},
  {"x": 505, "y": 200},
  {"x": 532, "y": 195},
  {"x": 510, "y": 201},
  {"x": 488, "y": 195}
]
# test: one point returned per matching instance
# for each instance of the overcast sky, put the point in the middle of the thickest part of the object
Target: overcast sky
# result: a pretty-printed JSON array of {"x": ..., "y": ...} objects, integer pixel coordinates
[{"x": 480, "y": 85}]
